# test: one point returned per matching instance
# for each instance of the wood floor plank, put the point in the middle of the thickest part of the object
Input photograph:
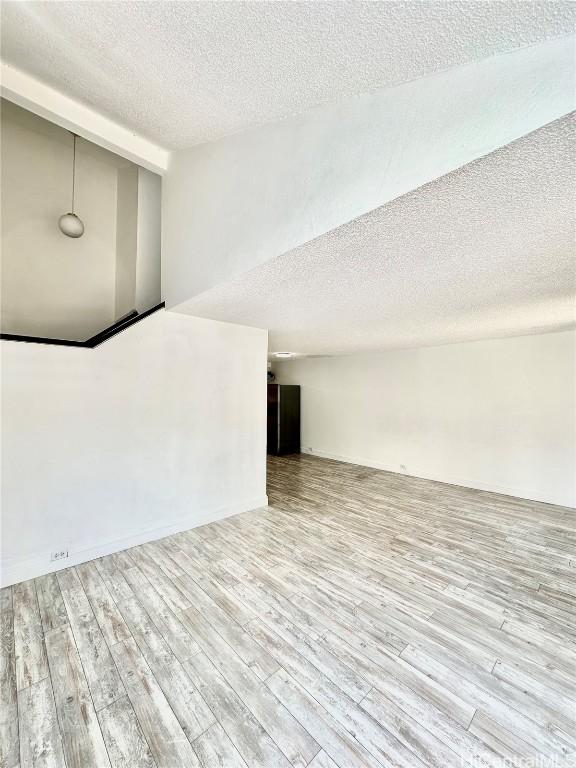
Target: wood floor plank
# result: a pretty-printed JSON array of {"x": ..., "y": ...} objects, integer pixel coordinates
[
  {"x": 260, "y": 600},
  {"x": 338, "y": 743},
  {"x": 427, "y": 634},
  {"x": 501, "y": 740},
  {"x": 553, "y": 695},
  {"x": 81, "y": 736},
  {"x": 543, "y": 739},
  {"x": 423, "y": 741},
  {"x": 162, "y": 583},
  {"x": 248, "y": 650},
  {"x": 101, "y": 673},
  {"x": 191, "y": 710},
  {"x": 250, "y": 739},
  {"x": 9, "y": 737},
  {"x": 215, "y": 749},
  {"x": 167, "y": 741},
  {"x": 342, "y": 675},
  {"x": 322, "y": 760},
  {"x": 160, "y": 556},
  {"x": 31, "y": 664},
  {"x": 505, "y": 644},
  {"x": 350, "y": 627},
  {"x": 376, "y": 739},
  {"x": 166, "y": 621},
  {"x": 294, "y": 741},
  {"x": 40, "y": 739},
  {"x": 105, "y": 610},
  {"x": 125, "y": 742},
  {"x": 122, "y": 560},
  {"x": 398, "y": 680},
  {"x": 50, "y": 602},
  {"x": 218, "y": 593},
  {"x": 113, "y": 578}
]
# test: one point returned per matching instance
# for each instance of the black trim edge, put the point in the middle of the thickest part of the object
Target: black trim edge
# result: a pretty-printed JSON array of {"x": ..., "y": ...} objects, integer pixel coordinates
[{"x": 94, "y": 341}]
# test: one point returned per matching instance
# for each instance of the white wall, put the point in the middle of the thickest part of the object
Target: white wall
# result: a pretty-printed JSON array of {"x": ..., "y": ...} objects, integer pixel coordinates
[
  {"x": 54, "y": 285},
  {"x": 159, "y": 429},
  {"x": 496, "y": 415},
  {"x": 138, "y": 240},
  {"x": 232, "y": 204},
  {"x": 126, "y": 239},
  {"x": 148, "y": 241}
]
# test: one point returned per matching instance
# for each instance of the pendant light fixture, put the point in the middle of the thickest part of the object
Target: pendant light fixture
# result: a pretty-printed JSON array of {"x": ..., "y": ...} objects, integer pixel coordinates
[{"x": 70, "y": 225}]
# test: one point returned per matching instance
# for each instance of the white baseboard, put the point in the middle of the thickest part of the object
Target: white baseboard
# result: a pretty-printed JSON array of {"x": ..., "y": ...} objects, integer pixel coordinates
[
  {"x": 463, "y": 482},
  {"x": 15, "y": 571}
]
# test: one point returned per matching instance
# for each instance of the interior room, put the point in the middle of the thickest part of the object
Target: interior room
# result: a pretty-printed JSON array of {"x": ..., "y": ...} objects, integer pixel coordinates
[{"x": 288, "y": 381}]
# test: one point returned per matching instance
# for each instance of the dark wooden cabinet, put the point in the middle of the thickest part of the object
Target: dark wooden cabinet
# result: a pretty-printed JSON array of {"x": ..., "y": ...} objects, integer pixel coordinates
[{"x": 283, "y": 419}]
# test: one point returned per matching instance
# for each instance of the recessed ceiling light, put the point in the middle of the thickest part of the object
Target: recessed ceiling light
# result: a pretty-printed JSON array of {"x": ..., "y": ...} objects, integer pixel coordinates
[{"x": 283, "y": 354}]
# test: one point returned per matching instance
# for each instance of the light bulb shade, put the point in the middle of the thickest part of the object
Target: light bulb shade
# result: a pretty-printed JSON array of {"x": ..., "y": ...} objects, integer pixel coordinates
[{"x": 70, "y": 225}]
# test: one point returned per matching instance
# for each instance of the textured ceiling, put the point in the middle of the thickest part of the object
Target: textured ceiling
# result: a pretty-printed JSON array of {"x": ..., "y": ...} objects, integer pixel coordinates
[
  {"x": 483, "y": 252},
  {"x": 181, "y": 73}
]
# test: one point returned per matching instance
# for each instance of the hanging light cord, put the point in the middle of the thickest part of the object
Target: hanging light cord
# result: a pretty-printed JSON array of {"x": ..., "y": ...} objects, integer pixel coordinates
[{"x": 73, "y": 172}]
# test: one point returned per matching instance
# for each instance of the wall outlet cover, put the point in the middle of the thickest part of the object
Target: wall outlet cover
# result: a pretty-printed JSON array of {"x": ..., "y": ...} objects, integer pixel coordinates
[{"x": 61, "y": 554}]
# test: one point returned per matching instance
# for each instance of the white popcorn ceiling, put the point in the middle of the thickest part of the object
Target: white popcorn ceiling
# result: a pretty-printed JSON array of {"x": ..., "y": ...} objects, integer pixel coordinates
[
  {"x": 181, "y": 73},
  {"x": 484, "y": 252}
]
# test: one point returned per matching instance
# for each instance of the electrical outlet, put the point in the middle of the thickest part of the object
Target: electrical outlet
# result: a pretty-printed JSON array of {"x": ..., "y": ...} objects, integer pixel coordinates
[
  {"x": 61, "y": 554},
  {"x": 403, "y": 467}
]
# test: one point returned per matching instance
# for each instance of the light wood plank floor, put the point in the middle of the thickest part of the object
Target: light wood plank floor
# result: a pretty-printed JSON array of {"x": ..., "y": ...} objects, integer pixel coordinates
[{"x": 363, "y": 619}]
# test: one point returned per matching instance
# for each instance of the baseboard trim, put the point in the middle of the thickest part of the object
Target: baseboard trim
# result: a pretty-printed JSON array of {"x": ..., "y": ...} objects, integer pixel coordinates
[
  {"x": 21, "y": 570},
  {"x": 519, "y": 493}
]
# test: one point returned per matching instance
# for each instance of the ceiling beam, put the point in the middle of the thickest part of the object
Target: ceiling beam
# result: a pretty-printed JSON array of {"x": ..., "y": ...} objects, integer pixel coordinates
[{"x": 39, "y": 98}]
